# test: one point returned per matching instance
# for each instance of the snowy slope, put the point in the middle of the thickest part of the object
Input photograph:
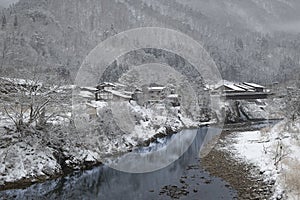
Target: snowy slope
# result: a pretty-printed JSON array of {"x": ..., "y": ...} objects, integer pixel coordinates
[
  {"x": 260, "y": 15},
  {"x": 276, "y": 152}
]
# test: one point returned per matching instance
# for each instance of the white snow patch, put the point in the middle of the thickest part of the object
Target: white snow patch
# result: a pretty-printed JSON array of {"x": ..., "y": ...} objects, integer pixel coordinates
[{"x": 261, "y": 147}]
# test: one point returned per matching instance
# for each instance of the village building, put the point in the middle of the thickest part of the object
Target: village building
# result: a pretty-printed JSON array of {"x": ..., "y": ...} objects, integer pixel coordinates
[
  {"x": 106, "y": 86},
  {"x": 139, "y": 96},
  {"x": 86, "y": 94},
  {"x": 228, "y": 87},
  {"x": 117, "y": 92},
  {"x": 245, "y": 90},
  {"x": 103, "y": 95},
  {"x": 155, "y": 94},
  {"x": 111, "y": 86},
  {"x": 258, "y": 88},
  {"x": 112, "y": 95},
  {"x": 89, "y": 89},
  {"x": 245, "y": 87},
  {"x": 173, "y": 99},
  {"x": 120, "y": 96}
]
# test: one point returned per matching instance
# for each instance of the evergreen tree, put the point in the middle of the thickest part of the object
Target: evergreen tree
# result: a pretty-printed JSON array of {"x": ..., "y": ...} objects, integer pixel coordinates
[
  {"x": 15, "y": 21},
  {"x": 3, "y": 21}
]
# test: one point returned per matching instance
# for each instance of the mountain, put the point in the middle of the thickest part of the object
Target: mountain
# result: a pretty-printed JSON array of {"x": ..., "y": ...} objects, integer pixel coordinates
[
  {"x": 245, "y": 37},
  {"x": 260, "y": 15},
  {"x": 6, "y": 3}
]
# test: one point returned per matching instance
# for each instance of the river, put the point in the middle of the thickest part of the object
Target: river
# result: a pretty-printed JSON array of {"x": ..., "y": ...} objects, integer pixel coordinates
[{"x": 183, "y": 179}]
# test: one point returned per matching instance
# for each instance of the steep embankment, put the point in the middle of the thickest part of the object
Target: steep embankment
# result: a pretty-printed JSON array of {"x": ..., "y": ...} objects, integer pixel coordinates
[{"x": 37, "y": 155}]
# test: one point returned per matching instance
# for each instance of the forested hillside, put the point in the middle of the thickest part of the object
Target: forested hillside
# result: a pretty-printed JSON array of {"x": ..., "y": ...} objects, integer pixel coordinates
[{"x": 244, "y": 37}]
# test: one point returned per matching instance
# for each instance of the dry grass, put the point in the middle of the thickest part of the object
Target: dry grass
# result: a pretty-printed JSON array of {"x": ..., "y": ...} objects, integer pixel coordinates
[
  {"x": 265, "y": 133},
  {"x": 292, "y": 178}
]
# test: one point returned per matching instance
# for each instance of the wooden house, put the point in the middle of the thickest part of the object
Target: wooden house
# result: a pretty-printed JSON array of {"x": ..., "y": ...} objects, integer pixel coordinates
[
  {"x": 138, "y": 96},
  {"x": 112, "y": 95},
  {"x": 111, "y": 86},
  {"x": 228, "y": 87},
  {"x": 257, "y": 87},
  {"x": 173, "y": 99},
  {"x": 245, "y": 87},
  {"x": 103, "y": 95},
  {"x": 106, "y": 86},
  {"x": 155, "y": 93}
]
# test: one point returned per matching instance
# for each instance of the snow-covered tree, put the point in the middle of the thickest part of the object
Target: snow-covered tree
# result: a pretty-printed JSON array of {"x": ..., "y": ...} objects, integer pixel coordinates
[{"x": 28, "y": 103}]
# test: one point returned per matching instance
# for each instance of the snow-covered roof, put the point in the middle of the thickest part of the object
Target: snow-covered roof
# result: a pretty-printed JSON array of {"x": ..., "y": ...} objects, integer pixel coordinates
[
  {"x": 233, "y": 87},
  {"x": 107, "y": 84},
  {"x": 86, "y": 94},
  {"x": 217, "y": 85},
  {"x": 119, "y": 85},
  {"x": 173, "y": 96},
  {"x": 138, "y": 89},
  {"x": 98, "y": 104},
  {"x": 254, "y": 85},
  {"x": 91, "y": 105},
  {"x": 89, "y": 88},
  {"x": 246, "y": 87},
  {"x": 20, "y": 81},
  {"x": 156, "y": 88},
  {"x": 67, "y": 87},
  {"x": 128, "y": 93},
  {"x": 120, "y": 94}
]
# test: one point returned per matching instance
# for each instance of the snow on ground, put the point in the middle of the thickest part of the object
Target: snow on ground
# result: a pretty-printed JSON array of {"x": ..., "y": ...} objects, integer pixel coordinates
[
  {"x": 157, "y": 119},
  {"x": 276, "y": 152},
  {"x": 152, "y": 120},
  {"x": 128, "y": 125},
  {"x": 26, "y": 160},
  {"x": 35, "y": 156},
  {"x": 4, "y": 120}
]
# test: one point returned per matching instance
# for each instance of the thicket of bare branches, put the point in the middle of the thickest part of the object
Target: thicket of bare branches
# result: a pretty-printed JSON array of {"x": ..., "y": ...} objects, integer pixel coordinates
[{"x": 28, "y": 103}]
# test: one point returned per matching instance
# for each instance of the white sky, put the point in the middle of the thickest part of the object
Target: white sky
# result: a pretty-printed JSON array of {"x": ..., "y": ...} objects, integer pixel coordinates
[{"x": 5, "y": 3}]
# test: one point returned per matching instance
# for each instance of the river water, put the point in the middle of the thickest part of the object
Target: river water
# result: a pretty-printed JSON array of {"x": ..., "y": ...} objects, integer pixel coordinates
[{"x": 183, "y": 179}]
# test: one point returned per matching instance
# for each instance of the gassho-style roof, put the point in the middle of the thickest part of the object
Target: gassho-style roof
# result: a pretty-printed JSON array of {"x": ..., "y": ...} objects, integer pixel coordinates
[
  {"x": 239, "y": 87},
  {"x": 245, "y": 87},
  {"x": 233, "y": 87},
  {"x": 229, "y": 85},
  {"x": 254, "y": 85}
]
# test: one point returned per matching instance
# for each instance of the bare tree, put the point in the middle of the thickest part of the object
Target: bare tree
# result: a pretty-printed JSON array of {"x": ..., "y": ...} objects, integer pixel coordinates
[
  {"x": 28, "y": 103},
  {"x": 292, "y": 108}
]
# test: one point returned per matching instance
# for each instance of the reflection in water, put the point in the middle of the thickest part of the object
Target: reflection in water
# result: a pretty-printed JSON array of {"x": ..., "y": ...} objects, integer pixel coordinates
[
  {"x": 106, "y": 183},
  {"x": 150, "y": 160}
]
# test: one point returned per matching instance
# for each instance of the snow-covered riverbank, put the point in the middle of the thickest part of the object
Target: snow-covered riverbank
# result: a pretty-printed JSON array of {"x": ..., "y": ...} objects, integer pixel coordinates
[
  {"x": 38, "y": 155},
  {"x": 182, "y": 179},
  {"x": 276, "y": 153}
]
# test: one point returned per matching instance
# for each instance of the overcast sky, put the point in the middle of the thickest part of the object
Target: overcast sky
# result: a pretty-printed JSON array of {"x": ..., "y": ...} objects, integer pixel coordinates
[{"x": 5, "y": 3}]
